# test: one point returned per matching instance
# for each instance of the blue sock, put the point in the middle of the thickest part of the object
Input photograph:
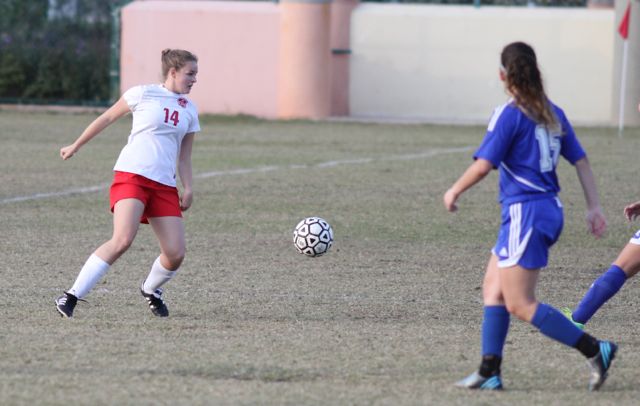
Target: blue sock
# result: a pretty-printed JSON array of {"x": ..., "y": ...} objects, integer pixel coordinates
[
  {"x": 495, "y": 326},
  {"x": 600, "y": 291},
  {"x": 555, "y": 325}
]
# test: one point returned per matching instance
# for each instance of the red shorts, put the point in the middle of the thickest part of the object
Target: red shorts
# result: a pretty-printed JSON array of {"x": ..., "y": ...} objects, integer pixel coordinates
[{"x": 159, "y": 200}]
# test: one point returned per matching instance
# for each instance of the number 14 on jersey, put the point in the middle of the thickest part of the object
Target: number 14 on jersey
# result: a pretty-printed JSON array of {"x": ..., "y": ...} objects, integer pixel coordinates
[{"x": 174, "y": 116}]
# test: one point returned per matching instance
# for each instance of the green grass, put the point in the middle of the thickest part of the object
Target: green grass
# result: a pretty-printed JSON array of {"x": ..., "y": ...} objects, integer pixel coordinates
[{"x": 390, "y": 316}]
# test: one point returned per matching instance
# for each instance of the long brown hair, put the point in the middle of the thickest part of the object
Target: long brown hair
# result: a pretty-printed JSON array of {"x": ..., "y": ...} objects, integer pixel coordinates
[
  {"x": 524, "y": 82},
  {"x": 175, "y": 58}
]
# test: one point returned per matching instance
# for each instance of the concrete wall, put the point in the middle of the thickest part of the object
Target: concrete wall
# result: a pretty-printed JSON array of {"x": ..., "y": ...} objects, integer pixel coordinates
[
  {"x": 418, "y": 62},
  {"x": 440, "y": 64},
  {"x": 237, "y": 44},
  {"x": 305, "y": 58}
]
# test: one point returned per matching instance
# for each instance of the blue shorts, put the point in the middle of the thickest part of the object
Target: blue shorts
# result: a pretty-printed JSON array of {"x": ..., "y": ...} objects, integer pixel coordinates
[
  {"x": 527, "y": 232},
  {"x": 636, "y": 238}
]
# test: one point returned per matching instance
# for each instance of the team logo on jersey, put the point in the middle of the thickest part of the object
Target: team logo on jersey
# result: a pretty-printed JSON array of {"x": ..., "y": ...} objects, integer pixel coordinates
[{"x": 182, "y": 102}]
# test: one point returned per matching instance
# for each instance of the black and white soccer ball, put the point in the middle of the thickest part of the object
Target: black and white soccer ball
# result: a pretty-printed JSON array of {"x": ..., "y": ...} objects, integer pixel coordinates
[{"x": 313, "y": 236}]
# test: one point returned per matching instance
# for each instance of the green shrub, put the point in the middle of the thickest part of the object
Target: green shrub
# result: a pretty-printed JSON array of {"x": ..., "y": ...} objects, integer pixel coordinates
[{"x": 59, "y": 56}]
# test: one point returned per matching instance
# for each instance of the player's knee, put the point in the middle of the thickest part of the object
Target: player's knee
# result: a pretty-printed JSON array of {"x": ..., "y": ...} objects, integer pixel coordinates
[
  {"x": 630, "y": 268},
  {"x": 121, "y": 243},
  {"x": 176, "y": 262},
  {"x": 519, "y": 310},
  {"x": 492, "y": 296},
  {"x": 175, "y": 257}
]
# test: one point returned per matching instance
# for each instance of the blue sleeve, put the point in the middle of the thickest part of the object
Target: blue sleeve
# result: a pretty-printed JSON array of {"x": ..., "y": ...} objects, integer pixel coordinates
[
  {"x": 570, "y": 148},
  {"x": 497, "y": 141}
]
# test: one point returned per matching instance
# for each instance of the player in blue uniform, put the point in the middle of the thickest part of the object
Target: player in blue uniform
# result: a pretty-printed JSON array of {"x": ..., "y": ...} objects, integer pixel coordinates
[
  {"x": 626, "y": 265},
  {"x": 525, "y": 138}
]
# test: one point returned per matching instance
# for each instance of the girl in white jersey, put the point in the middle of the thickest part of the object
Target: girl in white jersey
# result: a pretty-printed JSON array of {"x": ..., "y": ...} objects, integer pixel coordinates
[
  {"x": 525, "y": 139},
  {"x": 144, "y": 187}
]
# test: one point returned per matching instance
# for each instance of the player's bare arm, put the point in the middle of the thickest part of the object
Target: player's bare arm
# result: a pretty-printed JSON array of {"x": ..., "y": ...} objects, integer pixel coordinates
[
  {"x": 119, "y": 109},
  {"x": 596, "y": 221},
  {"x": 474, "y": 174},
  {"x": 185, "y": 171}
]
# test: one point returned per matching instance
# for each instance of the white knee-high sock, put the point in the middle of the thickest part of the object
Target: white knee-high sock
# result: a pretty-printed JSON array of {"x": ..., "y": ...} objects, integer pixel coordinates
[
  {"x": 158, "y": 276},
  {"x": 92, "y": 271}
]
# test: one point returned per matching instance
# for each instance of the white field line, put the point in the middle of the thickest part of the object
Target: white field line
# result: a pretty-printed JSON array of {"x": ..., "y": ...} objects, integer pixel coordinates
[
  {"x": 68, "y": 192},
  {"x": 245, "y": 171}
]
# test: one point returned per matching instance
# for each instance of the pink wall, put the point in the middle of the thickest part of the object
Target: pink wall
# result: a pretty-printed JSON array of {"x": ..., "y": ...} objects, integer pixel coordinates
[
  {"x": 237, "y": 44},
  {"x": 305, "y": 57},
  {"x": 265, "y": 59},
  {"x": 340, "y": 38}
]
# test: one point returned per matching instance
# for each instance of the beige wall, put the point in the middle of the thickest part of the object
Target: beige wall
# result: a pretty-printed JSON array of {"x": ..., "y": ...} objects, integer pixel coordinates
[
  {"x": 237, "y": 44},
  {"x": 417, "y": 62},
  {"x": 439, "y": 63}
]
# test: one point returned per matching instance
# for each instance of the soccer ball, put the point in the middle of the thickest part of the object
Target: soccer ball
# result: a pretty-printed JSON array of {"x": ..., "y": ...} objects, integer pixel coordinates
[{"x": 313, "y": 236}]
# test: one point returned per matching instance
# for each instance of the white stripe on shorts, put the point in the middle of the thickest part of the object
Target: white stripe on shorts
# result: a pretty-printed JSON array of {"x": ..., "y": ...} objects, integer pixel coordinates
[
  {"x": 516, "y": 247},
  {"x": 515, "y": 212}
]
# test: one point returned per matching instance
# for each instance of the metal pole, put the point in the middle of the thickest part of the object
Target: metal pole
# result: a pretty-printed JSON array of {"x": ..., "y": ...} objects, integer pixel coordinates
[
  {"x": 114, "y": 59},
  {"x": 623, "y": 85}
]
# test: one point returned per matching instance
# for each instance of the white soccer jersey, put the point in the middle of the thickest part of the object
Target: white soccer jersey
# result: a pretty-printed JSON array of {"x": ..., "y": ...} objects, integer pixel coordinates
[{"x": 161, "y": 119}]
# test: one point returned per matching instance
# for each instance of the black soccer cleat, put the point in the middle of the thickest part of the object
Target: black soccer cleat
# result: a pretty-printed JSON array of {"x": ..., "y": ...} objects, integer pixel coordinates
[
  {"x": 155, "y": 302},
  {"x": 65, "y": 304},
  {"x": 600, "y": 364}
]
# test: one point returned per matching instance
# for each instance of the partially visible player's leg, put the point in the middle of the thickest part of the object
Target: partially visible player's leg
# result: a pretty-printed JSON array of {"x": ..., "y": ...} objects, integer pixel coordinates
[
  {"x": 126, "y": 219},
  {"x": 495, "y": 321},
  {"x": 126, "y": 222},
  {"x": 518, "y": 288},
  {"x": 523, "y": 248},
  {"x": 170, "y": 234},
  {"x": 495, "y": 325},
  {"x": 608, "y": 284}
]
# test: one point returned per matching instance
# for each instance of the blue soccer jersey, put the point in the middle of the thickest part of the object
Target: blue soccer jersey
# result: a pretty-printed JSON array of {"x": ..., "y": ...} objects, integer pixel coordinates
[{"x": 526, "y": 153}]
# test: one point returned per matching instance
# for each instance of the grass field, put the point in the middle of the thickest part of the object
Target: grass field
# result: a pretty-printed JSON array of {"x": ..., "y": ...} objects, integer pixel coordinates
[{"x": 391, "y": 316}]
